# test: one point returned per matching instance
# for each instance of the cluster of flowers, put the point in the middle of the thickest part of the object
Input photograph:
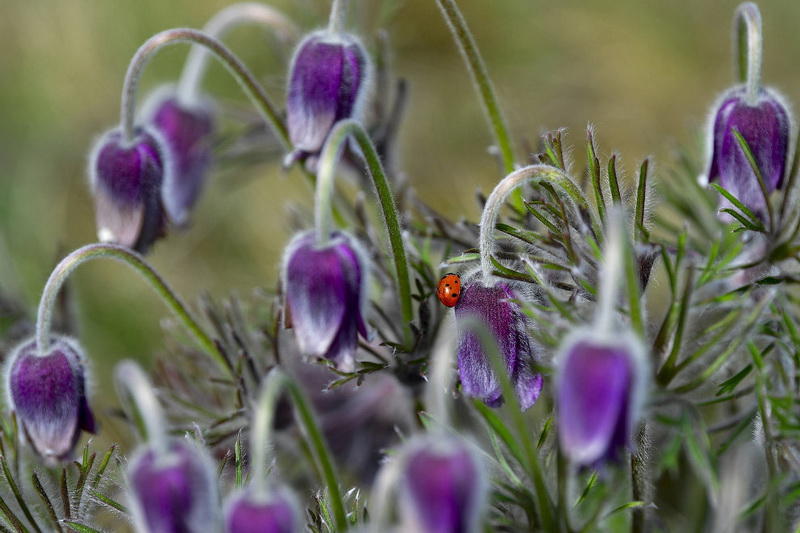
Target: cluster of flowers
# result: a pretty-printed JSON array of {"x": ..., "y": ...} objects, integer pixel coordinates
[{"x": 148, "y": 174}]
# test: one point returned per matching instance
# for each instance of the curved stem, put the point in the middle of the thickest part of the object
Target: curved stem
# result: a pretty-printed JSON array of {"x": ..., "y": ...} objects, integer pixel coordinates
[
  {"x": 750, "y": 48},
  {"x": 611, "y": 270},
  {"x": 329, "y": 157},
  {"x": 338, "y": 16},
  {"x": 277, "y": 381},
  {"x": 261, "y": 433},
  {"x": 480, "y": 77},
  {"x": 239, "y": 71},
  {"x": 496, "y": 200},
  {"x": 225, "y": 20},
  {"x": 136, "y": 262},
  {"x": 441, "y": 375},
  {"x": 130, "y": 378}
]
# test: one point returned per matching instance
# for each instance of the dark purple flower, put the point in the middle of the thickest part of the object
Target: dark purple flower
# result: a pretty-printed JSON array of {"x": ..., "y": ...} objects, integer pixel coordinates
[
  {"x": 506, "y": 321},
  {"x": 187, "y": 131},
  {"x": 326, "y": 84},
  {"x": 275, "y": 511},
  {"x": 173, "y": 491},
  {"x": 325, "y": 291},
  {"x": 599, "y": 392},
  {"x": 126, "y": 182},
  {"x": 48, "y": 394},
  {"x": 766, "y": 126},
  {"x": 444, "y": 490}
]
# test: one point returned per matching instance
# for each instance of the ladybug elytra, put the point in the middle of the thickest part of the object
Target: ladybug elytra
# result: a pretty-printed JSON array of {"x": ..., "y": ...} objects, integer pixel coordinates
[{"x": 449, "y": 289}]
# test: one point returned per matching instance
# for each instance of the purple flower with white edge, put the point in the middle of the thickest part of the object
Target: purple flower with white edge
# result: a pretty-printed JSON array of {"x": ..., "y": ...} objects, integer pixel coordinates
[
  {"x": 327, "y": 84},
  {"x": 767, "y": 126},
  {"x": 274, "y": 511},
  {"x": 443, "y": 484},
  {"x": 126, "y": 182},
  {"x": 326, "y": 294},
  {"x": 494, "y": 306},
  {"x": 47, "y": 392},
  {"x": 601, "y": 384},
  {"x": 187, "y": 129},
  {"x": 173, "y": 491}
]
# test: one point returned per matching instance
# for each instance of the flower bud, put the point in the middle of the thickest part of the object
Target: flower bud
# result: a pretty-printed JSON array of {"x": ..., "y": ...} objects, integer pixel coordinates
[
  {"x": 187, "y": 131},
  {"x": 173, "y": 491},
  {"x": 325, "y": 296},
  {"x": 766, "y": 125},
  {"x": 493, "y": 306},
  {"x": 126, "y": 182},
  {"x": 48, "y": 394},
  {"x": 275, "y": 511},
  {"x": 600, "y": 389},
  {"x": 326, "y": 85},
  {"x": 443, "y": 484}
]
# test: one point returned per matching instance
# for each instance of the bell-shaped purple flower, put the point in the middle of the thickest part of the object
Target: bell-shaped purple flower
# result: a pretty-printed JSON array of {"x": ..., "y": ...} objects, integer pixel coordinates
[
  {"x": 325, "y": 291},
  {"x": 173, "y": 491},
  {"x": 275, "y": 511},
  {"x": 493, "y": 306},
  {"x": 48, "y": 394},
  {"x": 443, "y": 486},
  {"x": 600, "y": 389},
  {"x": 126, "y": 182},
  {"x": 326, "y": 84},
  {"x": 767, "y": 127},
  {"x": 187, "y": 130}
]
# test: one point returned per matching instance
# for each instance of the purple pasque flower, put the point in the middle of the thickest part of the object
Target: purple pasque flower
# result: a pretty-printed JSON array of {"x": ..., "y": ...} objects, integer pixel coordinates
[
  {"x": 767, "y": 126},
  {"x": 327, "y": 84},
  {"x": 187, "y": 129},
  {"x": 126, "y": 182},
  {"x": 274, "y": 511},
  {"x": 47, "y": 392},
  {"x": 601, "y": 383},
  {"x": 493, "y": 305},
  {"x": 325, "y": 289},
  {"x": 443, "y": 486},
  {"x": 173, "y": 491}
]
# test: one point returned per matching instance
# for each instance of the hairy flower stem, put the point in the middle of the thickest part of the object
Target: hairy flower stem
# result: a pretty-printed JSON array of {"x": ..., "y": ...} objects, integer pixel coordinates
[
  {"x": 234, "y": 65},
  {"x": 749, "y": 44},
  {"x": 323, "y": 201},
  {"x": 261, "y": 439},
  {"x": 219, "y": 25},
  {"x": 338, "y": 16},
  {"x": 136, "y": 262},
  {"x": 131, "y": 382}
]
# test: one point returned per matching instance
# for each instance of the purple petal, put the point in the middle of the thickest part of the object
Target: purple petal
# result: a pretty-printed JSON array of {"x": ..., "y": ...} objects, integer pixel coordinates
[{"x": 274, "y": 512}]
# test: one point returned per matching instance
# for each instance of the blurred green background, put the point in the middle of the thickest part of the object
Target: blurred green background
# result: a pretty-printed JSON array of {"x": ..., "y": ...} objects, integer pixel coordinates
[{"x": 644, "y": 72}]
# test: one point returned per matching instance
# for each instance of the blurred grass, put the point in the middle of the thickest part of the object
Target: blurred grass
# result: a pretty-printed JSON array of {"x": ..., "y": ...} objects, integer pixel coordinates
[{"x": 644, "y": 72}]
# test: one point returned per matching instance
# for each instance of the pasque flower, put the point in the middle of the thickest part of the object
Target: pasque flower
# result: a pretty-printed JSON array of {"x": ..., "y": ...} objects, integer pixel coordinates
[
  {"x": 275, "y": 511},
  {"x": 493, "y": 305},
  {"x": 325, "y": 290},
  {"x": 47, "y": 392},
  {"x": 126, "y": 180}
]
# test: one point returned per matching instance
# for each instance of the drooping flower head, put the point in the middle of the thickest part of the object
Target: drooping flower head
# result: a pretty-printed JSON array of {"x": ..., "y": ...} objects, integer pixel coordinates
[
  {"x": 187, "y": 130},
  {"x": 326, "y": 84},
  {"x": 48, "y": 394},
  {"x": 766, "y": 125},
  {"x": 443, "y": 486},
  {"x": 325, "y": 289},
  {"x": 601, "y": 385},
  {"x": 173, "y": 490},
  {"x": 275, "y": 511},
  {"x": 493, "y": 305},
  {"x": 126, "y": 182}
]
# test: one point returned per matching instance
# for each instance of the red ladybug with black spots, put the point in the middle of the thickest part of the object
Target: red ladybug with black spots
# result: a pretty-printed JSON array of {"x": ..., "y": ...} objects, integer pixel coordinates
[{"x": 449, "y": 290}]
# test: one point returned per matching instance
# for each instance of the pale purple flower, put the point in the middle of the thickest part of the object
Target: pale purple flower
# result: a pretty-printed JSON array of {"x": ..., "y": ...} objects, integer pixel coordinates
[
  {"x": 126, "y": 182},
  {"x": 766, "y": 126},
  {"x": 326, "y": 85},
  {"x": 48, "y": 395},
  {"x": 493, "y": 306},
  {"x": 173, "y": 491},
  {"x": 325, "y": 291},
  {"x": 275, "y": 511}
]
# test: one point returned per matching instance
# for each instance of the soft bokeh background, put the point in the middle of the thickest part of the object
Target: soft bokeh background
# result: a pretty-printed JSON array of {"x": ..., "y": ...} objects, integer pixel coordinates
[{"x": 644, "y": 72}]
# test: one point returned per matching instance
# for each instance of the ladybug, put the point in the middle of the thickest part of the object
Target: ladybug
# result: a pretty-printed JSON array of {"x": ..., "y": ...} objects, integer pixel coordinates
[{"x": 449, "y": 289}]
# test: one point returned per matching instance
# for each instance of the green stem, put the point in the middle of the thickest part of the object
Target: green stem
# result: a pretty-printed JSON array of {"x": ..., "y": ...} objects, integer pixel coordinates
[
  {"x": 329, "y": 157},
  {"x": 137, "y": 263},
  {"x": 338, "y": 16},
  {"x": 133, "y": 382},
  {"x": 749, "y": 44}
]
